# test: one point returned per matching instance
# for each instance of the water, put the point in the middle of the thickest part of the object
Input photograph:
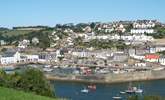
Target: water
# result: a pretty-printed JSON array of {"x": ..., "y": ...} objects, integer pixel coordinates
[{"x": 72, "y": 90}]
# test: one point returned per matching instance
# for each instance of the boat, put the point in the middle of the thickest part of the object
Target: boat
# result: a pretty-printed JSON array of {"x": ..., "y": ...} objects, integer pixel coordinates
[
  {"x": 55, "y": 66},
  {"x": 84, "y": 90},
  {"x": 130, "y": 89},
  {"x": 139, "y": 90},
  {"x": 92, "y": 87},
  {"x": 117, "y": 97},
  {"x": 122, "y": 92}
]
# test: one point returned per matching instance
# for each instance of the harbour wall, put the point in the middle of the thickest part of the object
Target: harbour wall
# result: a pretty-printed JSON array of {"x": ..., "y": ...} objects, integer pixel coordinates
[{"x": 111, "y": 78}]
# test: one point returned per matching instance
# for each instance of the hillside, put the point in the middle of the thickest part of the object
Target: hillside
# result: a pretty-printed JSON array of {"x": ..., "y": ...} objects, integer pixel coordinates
[
  {"x": 10, "y": 94},
  {"x": 15, "y": 32}
]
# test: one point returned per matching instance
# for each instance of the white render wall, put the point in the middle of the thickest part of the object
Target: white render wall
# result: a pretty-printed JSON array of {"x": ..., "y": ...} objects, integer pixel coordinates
[
  {"x": 138, "y": 31},
  {"x": 124, "y": 37},
  {"x": 32, "y": 57},
  {"x": 7, "y": 60},
  {"x": 10, "y": 60}
]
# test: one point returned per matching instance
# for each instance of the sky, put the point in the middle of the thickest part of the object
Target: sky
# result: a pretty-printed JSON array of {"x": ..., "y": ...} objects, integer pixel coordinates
[{"x": 51, "y": 12}]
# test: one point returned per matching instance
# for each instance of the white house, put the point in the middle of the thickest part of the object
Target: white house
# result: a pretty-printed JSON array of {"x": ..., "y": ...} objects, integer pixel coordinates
[
  {"x": 2, "y": 42},
  {"x": 139, "y": 31},
  {"x": 81, "y": 54},
  {"x": 35, "y": 40},
  {"x": 157, "y": 49},
  {"x": 137, "y": 37},
  {"x": 10, "y": 58},
  {"x": 149, "y": 24},
  {"x": 32, "y": 58},
  {"x": 23, "y": 44},
  {"x": 140, "y": 64},
  {"x": 162, "y": 60},
  {"x": 120, "y": 28},
  {"x": 139, "y": 57},
  {"x": 96, "y": 54}
]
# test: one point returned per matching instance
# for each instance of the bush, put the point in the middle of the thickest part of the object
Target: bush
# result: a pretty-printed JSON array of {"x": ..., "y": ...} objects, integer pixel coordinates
[
  {"x": 32, "y": 80},
  {"x": 152, "y": 98},
  {"x": 145, "y": 98}
]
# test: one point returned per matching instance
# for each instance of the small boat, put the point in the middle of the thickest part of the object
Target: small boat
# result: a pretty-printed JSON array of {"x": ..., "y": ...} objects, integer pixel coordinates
[
  {"x": 117, "y": 98},
  {"x": 122, "y": 92},
  {"x": 139, "y": 90},
  {"x": 55, "y": 66},
  {"x": 84, "y": 90},
  {"x": 92, "y": 87},
  {"x": 130, "y": 89}
]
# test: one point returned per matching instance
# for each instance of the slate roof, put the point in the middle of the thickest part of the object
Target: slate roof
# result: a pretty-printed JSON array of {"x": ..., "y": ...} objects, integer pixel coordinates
[{"x": 9, "y": 54}]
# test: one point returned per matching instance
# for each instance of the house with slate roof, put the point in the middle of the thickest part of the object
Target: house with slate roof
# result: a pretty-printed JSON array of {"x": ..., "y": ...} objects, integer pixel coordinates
[{"x": 10, "y": 57}]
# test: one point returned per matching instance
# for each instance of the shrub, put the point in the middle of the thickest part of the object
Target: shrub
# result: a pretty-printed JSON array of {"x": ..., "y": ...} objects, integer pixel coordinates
[{"x": 31, "y": 80}]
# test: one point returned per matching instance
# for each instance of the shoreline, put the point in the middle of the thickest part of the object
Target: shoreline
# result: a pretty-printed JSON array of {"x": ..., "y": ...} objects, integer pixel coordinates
[
  {"x": 98, "y": 82},
  {"x": 112, "y": 81}
]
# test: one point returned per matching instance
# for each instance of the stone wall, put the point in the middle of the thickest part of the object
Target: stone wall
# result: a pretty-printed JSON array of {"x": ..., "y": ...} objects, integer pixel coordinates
[
  {"x": 112, "y": 78},
  {"x": 135, "y": 76}
]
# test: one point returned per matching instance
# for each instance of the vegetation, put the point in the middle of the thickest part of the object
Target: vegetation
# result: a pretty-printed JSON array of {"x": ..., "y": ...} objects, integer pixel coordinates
[
  {"x": 162, "y": 52},
  {"x": 13, "y": 36},
  {"x": 31, "y": 80},
  {"x": 100, "y": 44},
  {"x": 10, "y": 94},
  {"x": 22, "y": 27},
  {"x": 3, "y": 49},
  {"x": 3, "y": 29},
  {"x": 44, "y": 41},
  {"x": 129, "y": 27},
  {"x": 146, "y": 98},
  {"x": 160, "y": 33}
]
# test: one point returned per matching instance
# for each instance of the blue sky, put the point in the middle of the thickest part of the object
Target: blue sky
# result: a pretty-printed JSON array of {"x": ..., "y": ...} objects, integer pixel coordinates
[{"x": 51, "y": 12}]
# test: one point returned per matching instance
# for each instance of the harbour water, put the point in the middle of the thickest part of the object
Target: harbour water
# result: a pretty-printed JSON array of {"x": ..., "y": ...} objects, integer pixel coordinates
[{"x": 72, "y": 90}]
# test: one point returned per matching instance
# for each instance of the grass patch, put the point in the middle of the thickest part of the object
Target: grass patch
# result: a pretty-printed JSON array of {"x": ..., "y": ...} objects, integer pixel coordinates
[
  {"x": 10, "y": 33},
  {"x": 11, "y": 94}
]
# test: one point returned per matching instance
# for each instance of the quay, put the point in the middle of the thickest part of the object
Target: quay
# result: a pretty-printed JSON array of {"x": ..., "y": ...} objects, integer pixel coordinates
[{"x": 111, "y": 78}]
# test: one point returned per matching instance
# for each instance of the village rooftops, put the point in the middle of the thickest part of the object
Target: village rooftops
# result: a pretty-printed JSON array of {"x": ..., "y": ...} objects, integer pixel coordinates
[{"x": 9, "y": 54}]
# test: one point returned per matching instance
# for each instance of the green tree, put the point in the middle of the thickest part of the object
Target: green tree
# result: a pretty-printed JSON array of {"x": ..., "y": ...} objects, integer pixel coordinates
[
  {"x": 31, "y": 80},
  {"x": 133, "y": 98},
  {"x": 3, "y": 49},
  {"x": 35, "y": 81}
]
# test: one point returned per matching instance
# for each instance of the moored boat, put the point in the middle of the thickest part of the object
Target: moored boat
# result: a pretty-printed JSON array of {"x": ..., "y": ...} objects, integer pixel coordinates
[
  {"x": 92, "y": 87},
  {"x": 84, "y": 90},
  {"x": 139, "y": 90},
  {"x": 122, "y": 92},
  {"x": 130, "y": 89},
  {"x": 117, "y": 97}
]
